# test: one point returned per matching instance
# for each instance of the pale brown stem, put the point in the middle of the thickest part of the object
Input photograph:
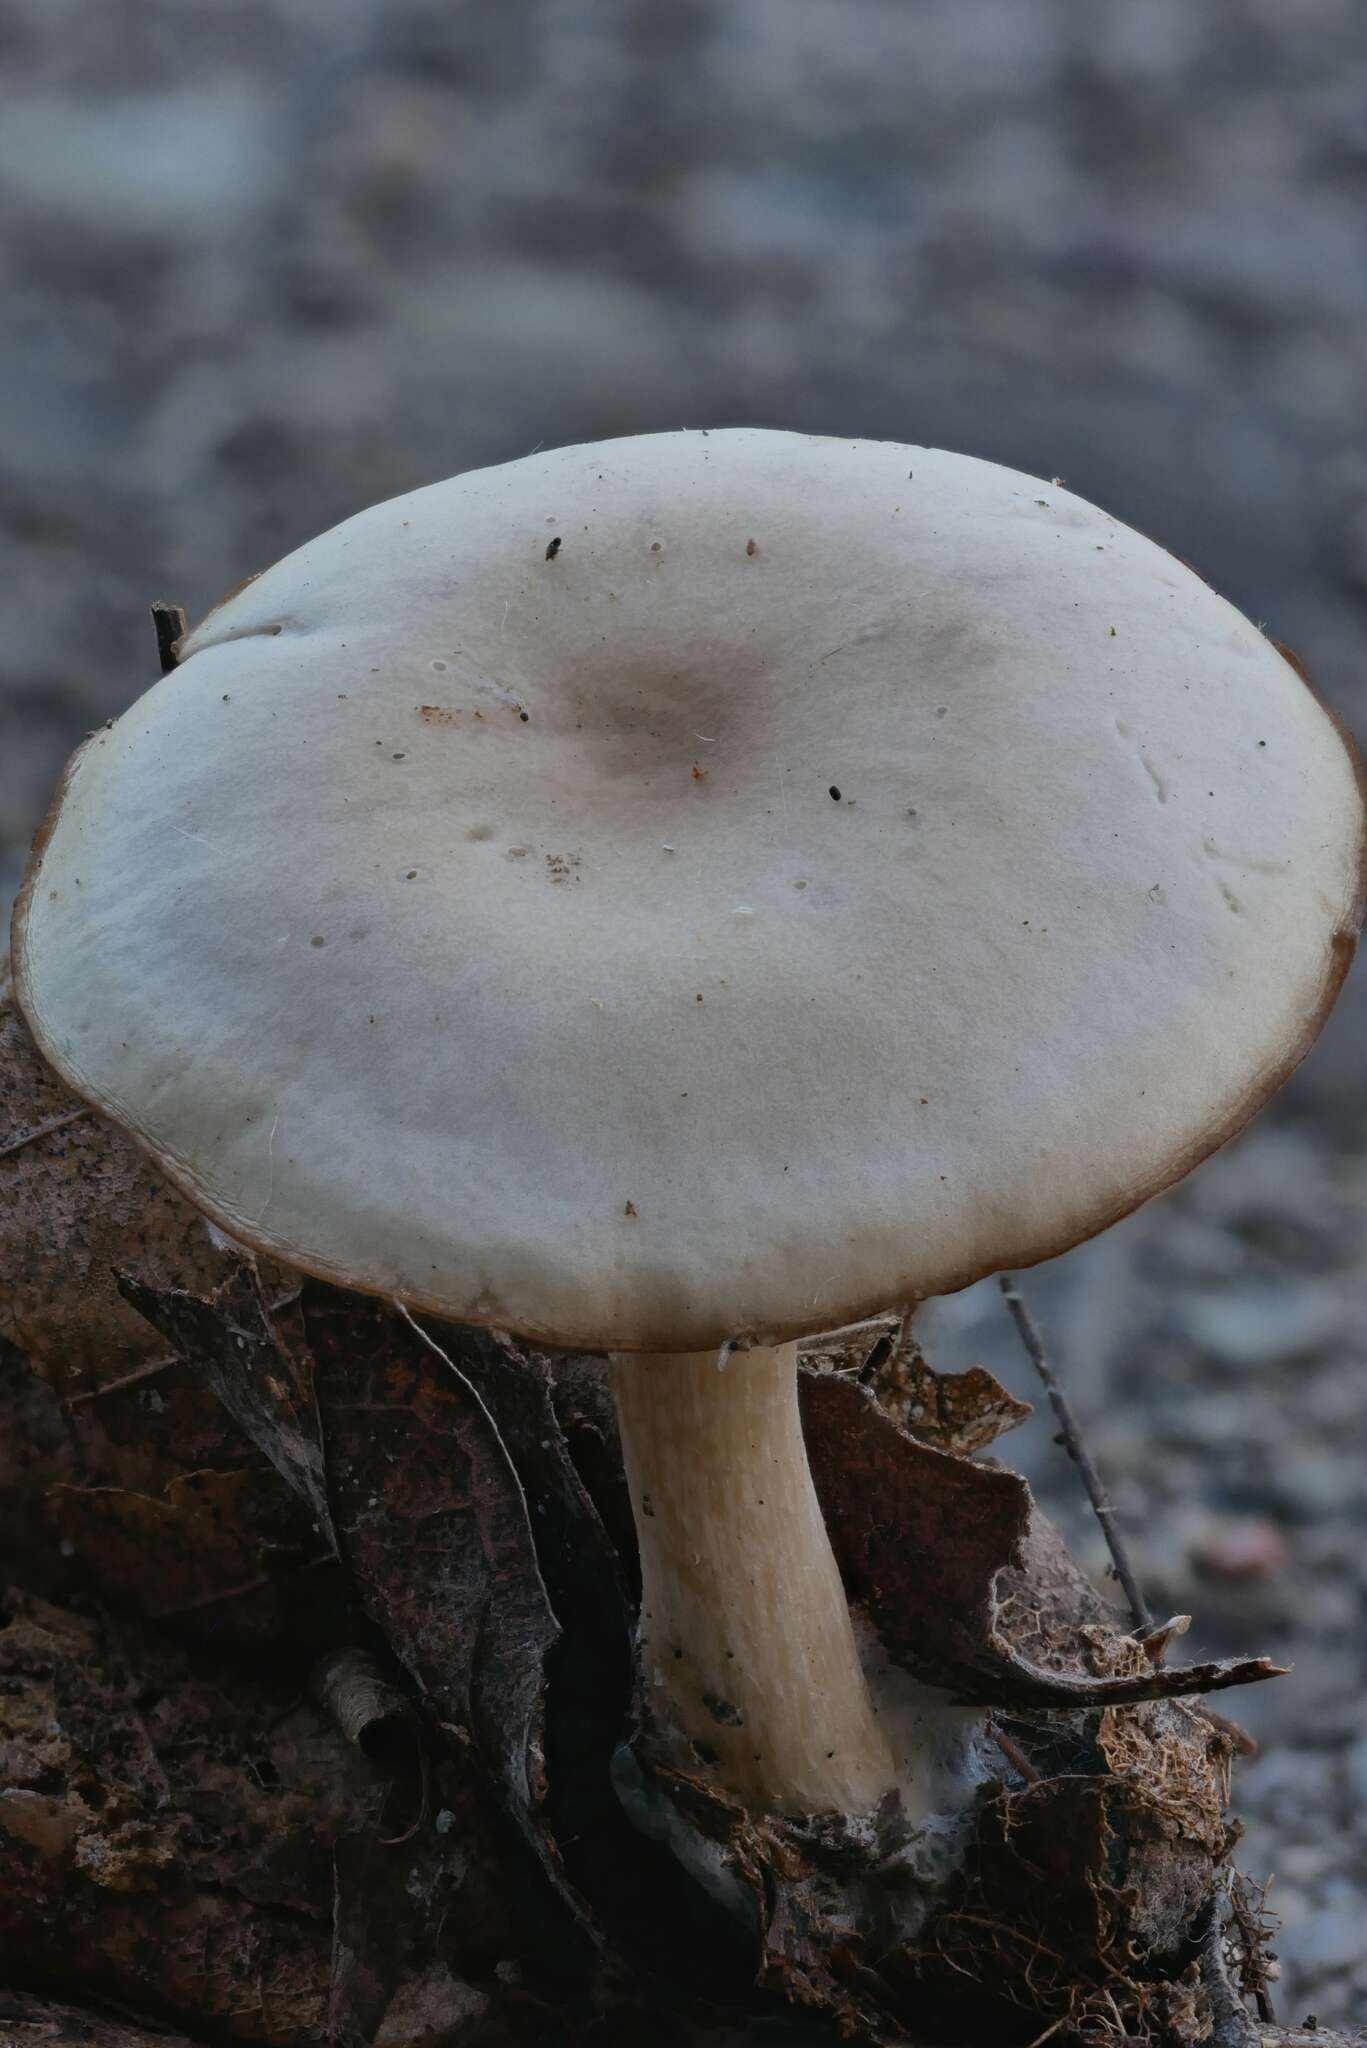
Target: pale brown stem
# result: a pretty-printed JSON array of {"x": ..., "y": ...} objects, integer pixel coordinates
[{"x": 749, "y": 1653}]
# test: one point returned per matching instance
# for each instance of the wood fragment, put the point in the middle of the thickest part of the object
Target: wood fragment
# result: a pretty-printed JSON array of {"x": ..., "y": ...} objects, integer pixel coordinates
[
  {"x": 1014, "y": 1755},
  {"x": 168, "y": 622}
]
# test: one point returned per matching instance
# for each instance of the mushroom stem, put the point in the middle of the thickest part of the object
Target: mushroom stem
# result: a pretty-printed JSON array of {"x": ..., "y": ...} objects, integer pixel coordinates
[{"x": 749, "y": 1652}]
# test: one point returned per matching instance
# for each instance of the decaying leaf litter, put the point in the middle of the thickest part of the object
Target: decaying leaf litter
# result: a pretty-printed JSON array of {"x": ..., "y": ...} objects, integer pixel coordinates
[{"x": 484, "y": 1592}]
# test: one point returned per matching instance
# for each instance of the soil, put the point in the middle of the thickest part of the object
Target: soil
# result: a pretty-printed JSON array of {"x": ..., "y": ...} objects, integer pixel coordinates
[{"x": 272, "y": 259}]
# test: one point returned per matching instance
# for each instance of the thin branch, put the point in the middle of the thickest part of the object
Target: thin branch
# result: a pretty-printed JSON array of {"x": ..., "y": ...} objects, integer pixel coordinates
[
  {"x": 1078, "y": 1452},
  {"x": 1013, "y": 1753},
  {"x": 54, "y": 1123},
  {"x": 129, "y": 1379}
]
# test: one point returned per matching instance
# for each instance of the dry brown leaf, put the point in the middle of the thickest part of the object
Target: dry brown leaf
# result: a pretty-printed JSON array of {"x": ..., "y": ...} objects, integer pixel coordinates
[
  {"x": 237, "y": 1338},
  {"x": 210, "y": 1534},
  {"x": 186, "y": 1844},
  {"x": 31, "y": 2022},
  {"x": 921, "y": 1537},
  {"x": 75, "y": 1203}
]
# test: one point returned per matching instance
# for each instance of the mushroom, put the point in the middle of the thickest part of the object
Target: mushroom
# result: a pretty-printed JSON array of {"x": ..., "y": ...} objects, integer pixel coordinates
[{"x": 400, "y": 927}]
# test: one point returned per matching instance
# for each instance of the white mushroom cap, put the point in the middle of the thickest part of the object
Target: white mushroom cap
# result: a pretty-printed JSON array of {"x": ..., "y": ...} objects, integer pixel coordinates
[{"x": 474, "y": 920}]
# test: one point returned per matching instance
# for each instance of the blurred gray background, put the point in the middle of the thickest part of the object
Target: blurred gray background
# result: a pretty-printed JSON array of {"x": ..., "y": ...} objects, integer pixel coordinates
[{"x": 265, "y": 261}]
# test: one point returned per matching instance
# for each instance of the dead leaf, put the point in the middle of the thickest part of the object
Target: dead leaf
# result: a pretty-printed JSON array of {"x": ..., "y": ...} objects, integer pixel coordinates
[
  {"x": 236, "y": 1345},
  {"x": 201, "y": 1842},
  {"x": 211, "y": 1533},
  {"x": 75, "y": 1203},
  {"x": 958, "y": 1412},
  {"x": 920, "y": 1538},
  {"x": 642, "y": 1898},
  {"x": 32, "y": 2022},
  {"x": 431, "y": 1519}
]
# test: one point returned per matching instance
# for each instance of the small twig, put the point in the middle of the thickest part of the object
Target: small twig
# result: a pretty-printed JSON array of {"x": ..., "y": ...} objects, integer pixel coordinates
[
  {"x": 128, "y": 1379},
  {"x": 1014, "y": 1754},
  {"x": 54, "y": 1123},
  {"x": 1078, "y": 1452}
]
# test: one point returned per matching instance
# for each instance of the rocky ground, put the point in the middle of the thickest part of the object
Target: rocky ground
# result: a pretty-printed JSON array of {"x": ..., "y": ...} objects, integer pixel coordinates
[
  {"x": 1216, "y": 1345},
  {"x": 269, "y": 259}
]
